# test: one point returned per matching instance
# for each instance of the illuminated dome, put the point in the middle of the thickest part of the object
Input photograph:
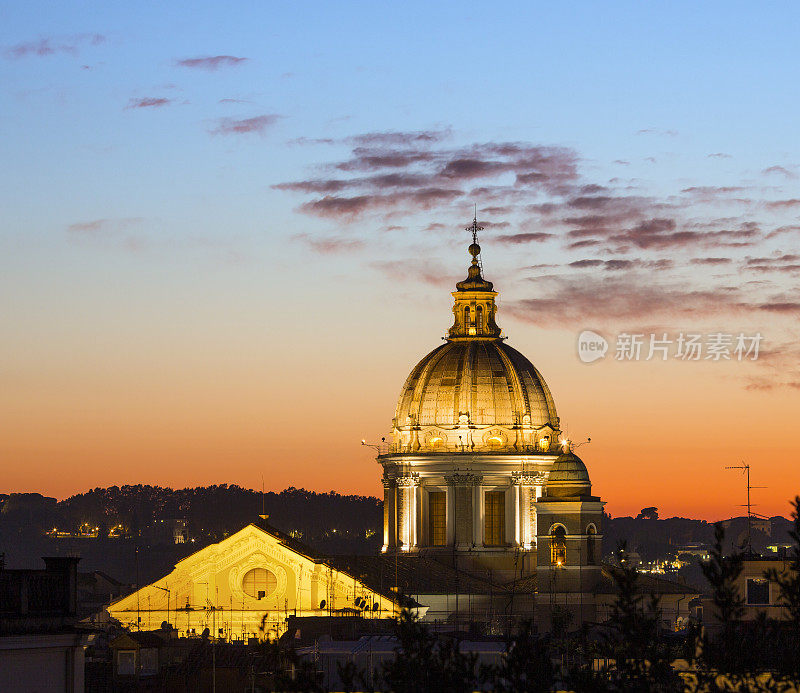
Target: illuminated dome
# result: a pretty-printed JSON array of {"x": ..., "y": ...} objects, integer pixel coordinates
[
  {"x": 475, "y": 392},
  {"x": 568, "y": 469},
  {"x": 568, "y": 476}
]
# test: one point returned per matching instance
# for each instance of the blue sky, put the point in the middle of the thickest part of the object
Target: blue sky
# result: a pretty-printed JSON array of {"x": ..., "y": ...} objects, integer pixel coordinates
[{"x": 187, "y": 185}]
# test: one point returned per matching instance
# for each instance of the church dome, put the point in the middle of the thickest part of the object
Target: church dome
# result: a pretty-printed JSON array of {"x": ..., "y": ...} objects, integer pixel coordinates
[
  {"x": 486, "y": 382},
  {"x": 475, "y": 392},
  {"x": 568, "y": 477}
]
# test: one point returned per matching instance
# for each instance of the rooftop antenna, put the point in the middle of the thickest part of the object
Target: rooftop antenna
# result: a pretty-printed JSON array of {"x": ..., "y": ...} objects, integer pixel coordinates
[
  {"x": 263, "y": 514},
  {"x": 746, "y": 470}
]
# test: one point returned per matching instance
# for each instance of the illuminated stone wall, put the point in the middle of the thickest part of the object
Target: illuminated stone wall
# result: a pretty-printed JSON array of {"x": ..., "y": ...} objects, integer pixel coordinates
[{"x": 219, "y": 588}]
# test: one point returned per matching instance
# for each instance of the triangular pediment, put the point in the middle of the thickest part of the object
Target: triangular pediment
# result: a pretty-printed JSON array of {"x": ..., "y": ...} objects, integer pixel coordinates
[
  {"x": 225, "y": 565},
  {"x": 239, "y": 546},
  {"x": 253, "y": 577}
]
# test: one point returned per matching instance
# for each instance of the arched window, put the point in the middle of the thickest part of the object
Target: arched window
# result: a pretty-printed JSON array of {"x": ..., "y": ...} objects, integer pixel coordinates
[
  {"x": 466, "y": 316},
  {"x": 479, "y": 319},
  {"x": 494, "y": 441},
  {"x": 558, "y": 546},
  {"x": 591, "y": 540},
  {"x": 259, "y": 583}
]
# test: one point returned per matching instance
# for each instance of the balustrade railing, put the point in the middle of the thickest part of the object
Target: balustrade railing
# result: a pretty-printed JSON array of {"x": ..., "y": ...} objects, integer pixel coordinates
[{"x": 396, "y": 448}]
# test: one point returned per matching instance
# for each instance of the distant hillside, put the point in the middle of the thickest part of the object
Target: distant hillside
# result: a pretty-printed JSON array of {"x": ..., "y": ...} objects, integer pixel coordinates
[
  {"x": 653, "y": 538},
  {"x": 106, "y": 526},
  {"x": 131, "y": 530}
]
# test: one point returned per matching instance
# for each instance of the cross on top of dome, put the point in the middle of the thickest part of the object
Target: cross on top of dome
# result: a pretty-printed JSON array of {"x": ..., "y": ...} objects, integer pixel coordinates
[
  {"x": 474, "y": 280},
  {"x": 474, "y": 228}
]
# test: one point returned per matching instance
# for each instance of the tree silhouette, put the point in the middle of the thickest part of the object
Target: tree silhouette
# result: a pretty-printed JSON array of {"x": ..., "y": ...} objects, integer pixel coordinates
[
  {"x": 724, "y": 650},
  {"x": 424, "y": 662},
  {"x": 525, "y": 667},
  {"x": 641, "y": 657},
  {"x": 789, "y": 596}
]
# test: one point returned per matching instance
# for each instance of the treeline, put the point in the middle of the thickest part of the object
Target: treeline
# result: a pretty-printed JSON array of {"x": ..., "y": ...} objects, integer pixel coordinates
[
  {"x": 211, "y": 512},
  {"x": 214, "y": 512},
  {"x": 656, "y": 538}
]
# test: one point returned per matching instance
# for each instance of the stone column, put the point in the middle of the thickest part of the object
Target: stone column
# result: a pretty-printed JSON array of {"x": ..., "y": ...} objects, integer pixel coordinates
[
  {"x": 417, "y": 539},
  {"x": 524, "y": 486},
  {"x": 389, "y": 514},
  {"x": 406, "y": 511},
  {"x": 477, "y": 513},
  {"x": 451, "y": 512},
  {"x": 525, "y": 515}
]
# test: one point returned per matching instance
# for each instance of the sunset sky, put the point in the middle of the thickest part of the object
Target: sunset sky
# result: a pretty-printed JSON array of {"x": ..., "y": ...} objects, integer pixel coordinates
[{"x": 229, "y": 231}]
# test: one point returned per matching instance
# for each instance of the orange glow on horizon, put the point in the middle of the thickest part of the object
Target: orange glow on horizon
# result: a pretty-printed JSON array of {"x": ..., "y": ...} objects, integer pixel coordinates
[{"x": 174, "y": 410}]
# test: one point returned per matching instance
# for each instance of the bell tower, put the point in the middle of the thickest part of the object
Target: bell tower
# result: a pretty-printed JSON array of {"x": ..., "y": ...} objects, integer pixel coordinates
[
  {"x": 473, "y": 306},
  {"x": 569, "y": 540}
]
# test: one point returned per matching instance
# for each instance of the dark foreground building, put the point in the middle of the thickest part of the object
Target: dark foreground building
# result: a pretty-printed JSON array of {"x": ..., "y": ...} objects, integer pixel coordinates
[{"x": 40, "y": 647}]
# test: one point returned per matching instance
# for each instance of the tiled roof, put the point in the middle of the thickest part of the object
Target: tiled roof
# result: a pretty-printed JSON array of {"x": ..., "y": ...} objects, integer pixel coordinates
[
  {"x": 646, "y": 584},
  {"x": 413, "y": 575}
]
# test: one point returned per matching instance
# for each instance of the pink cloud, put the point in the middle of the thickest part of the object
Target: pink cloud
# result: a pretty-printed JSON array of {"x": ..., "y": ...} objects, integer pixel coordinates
[
  {"x": 711, "y": 261},
  {"x": 148, "y": 102},
  {"x": 779, "y": 170},
  {"x": 783, "y": 204},
  {"x": 103, "y": 225},
  {"x": 519, "y": 238},
  {"x": 211, "y": 63},
  {"x": 70, "y": 45},
  {"x": 331, "y": 245},
  {"x": 241, "y": 126},
  {"x": 657, "y": 131}
]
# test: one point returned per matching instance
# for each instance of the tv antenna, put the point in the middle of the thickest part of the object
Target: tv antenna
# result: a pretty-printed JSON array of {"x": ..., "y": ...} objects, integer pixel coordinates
[
  {"x": 263, "y": 514},
  {"x": 746, "y": 471}
]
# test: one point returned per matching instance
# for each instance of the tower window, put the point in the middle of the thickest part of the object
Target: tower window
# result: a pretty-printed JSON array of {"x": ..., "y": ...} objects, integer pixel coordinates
[
  {"x": 479, "y": 319},
  {"x": 591, "y": 540},
  {"x": 558, "y": 546},
  {"x": 437, "y": 518},
  {"x": 466, "y": 316},
  {"x": 495, "y": 512}
]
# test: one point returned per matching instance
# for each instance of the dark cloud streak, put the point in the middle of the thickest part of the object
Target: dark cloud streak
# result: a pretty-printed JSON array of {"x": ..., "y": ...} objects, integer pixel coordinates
[
  {"x": 211, "y": 63},
  {"x": 43, "y": 47}
]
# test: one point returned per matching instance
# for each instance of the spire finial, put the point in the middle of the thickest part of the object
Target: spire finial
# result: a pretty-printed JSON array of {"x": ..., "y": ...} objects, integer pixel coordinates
[
  {"x": 475, "y": 228},
  {"x": 474, "y": 282}
]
